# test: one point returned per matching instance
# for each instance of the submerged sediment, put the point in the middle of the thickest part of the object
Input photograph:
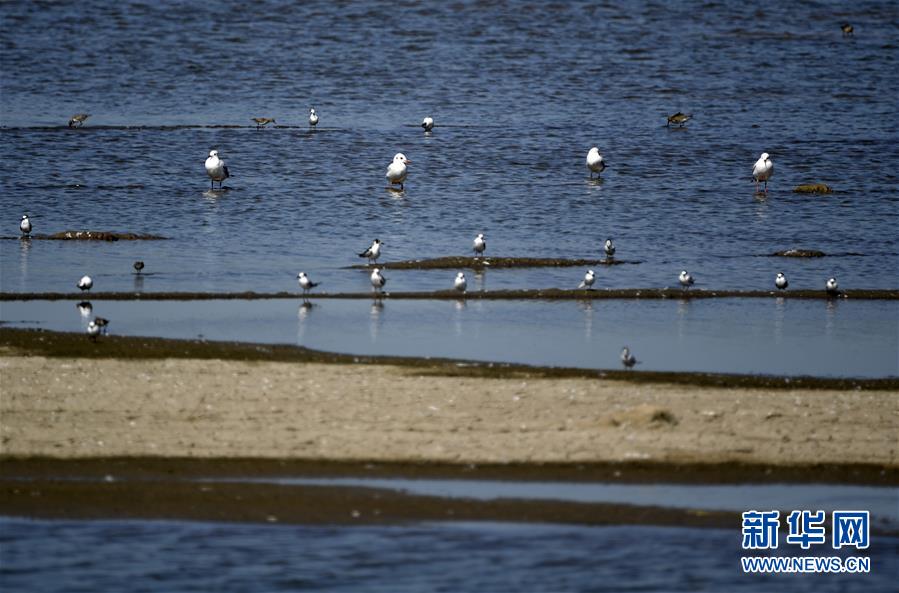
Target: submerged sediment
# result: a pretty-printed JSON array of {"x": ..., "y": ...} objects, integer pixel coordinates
[{"x": 484, "y": 263}]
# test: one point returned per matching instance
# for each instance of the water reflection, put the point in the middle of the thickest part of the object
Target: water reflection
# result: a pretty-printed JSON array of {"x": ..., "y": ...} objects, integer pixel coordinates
[
  {"x": 587, "y": 307},
  {"x": 138, "y": 282},
  {"x": 375, "y": 319},
  {"x": 459, "y": 306},
  {"x": 780, "y": 308},
  {"x": 303, "y": 312},
  {"x": 480, "y": 279}
]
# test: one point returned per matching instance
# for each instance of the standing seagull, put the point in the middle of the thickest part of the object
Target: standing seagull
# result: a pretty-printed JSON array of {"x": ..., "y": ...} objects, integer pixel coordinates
[
  {"x": 373, "y": 252},
  {"x": 305, "y": 283},
  {"x": 686, "y": 280},
  {"x": 609, "y": 248},
  {"x": 78, "y": 120},
  {"x": 216, "y": 169},
  {"x": 93, "y": 330},
  {"x": 313, "y": 119},
  {"x": 832, "y": 287},
  {"x": 595, "y": 162},
  {"x": 762, "y": 170},
  {"x": 377, "y": 280},
  {"x": 589, "y": 279},
  {"x": 781, "y": 281},
  {"x": 428, "y": 124},
  {"x": 25, "y": 225},
  {"x": 396, "y": 171},
  {"x": 138, "y": 266},
  {"x": 480, "y": 245},
  {"x": 627, "y": 359},
  {"x": 460, "y": 283},
  {"x": 85, "y": 283}
]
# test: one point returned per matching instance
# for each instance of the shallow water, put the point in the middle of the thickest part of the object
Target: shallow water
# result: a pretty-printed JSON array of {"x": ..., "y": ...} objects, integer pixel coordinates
[
  {"x": 768, "y": 336},
  {"x": 186, "y": 556}
]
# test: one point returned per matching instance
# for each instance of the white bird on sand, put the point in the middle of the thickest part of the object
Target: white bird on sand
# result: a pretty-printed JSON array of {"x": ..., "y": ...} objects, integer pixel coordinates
[
  {"x": 373, "y": 252},
  {"x": 25, "y": 225},
  {"x": 396, "y": 171},
  {"x": 832, "y": 287},
  {"x": 589, "y": 279},
  {"x": 686, "y": 280},
  {"x": 93, "y": 330},
  {"x": 428, "y": 124},
  {"x": 627, "y": 359},
  {"x": 305, "y": 283},
  {"x": 460, "y": 283},
  {"x": 216, "y": 169},
  {"x": 377, "y": 280},
  {"x": 85, "y": 283},
  {"x": 781, "y": 281},
  {"x": 479, "y": 245},
  {"x": 609, "y": 248},
  {"x": 595, "y": 162},
  {"x": 313, "y": 118},
  {"x": 762, "y": 170}
]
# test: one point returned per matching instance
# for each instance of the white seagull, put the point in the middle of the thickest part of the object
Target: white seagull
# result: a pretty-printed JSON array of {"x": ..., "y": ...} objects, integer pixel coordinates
[
  {"x": 85, "y": 283},
  {"x": 762, "y": 170},
  {"x": 609, "y": 248},
  {"x": 428, "y": 124},
  {"x": 686, "y": 280},
  {"x": 589, "y": 279},
  {"x": 25, "y": 225},
  {"x": 832, "y": 287},
  {"x": 460, "y": 283},
  {"x": 627, "y": 359},
  {"x": 93, "y": 330},
  {"x": 479, "y": 245},
  {"x": 595, "y": 162},
  {"x": 781, "y": 281},
  {"x": 313, "y": 119},
  {"x": 396, "y": 171},
  {"x": 305, "y": 283},
  {"x": 216, "y": 169},
  {"x": 373, "y": 252},
  {"x": 377, "y": 280}
]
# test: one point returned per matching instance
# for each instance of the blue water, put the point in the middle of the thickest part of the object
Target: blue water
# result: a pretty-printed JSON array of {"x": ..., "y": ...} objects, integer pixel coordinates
[
  {"x": 519, "y": 92},
  {"x": 177, "y": 556},
  {"x": 836, "y": 338}
]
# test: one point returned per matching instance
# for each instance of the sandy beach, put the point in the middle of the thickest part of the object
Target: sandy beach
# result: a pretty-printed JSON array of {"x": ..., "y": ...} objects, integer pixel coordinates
[{"x": 74, "y": 407}]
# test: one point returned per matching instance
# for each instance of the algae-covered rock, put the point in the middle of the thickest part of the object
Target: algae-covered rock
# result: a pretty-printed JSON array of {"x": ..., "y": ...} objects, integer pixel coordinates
[
  {"x": 799, "y": 253},
  {"x": 100, "y": 236},
  {"x": 813, "y": 188}
]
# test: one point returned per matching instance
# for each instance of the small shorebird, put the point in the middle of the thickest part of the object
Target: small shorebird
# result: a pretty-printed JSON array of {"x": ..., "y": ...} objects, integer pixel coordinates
[
  {"x": 101, "y": 322},
  {"x": 85, "y": 283},
  {"x": 305, "y": 283},
  {"x": 25, "y": 225},
  {"x": 847, "y": 29},
  {"x": 627, "y": 359},
  {"x": 313, "y": 118},
  {"x": 762, "y": 170},
  {"x": 261, "y": 122},
  {"x": 78, "y": 120},
  {"x": 685, "y": 279},
  {"x": 428, "y": 124},
  {"x": 781, "y": 281},
  {"x": 377, "y": 280},
  {"x": 373, "y": 252},
  {"x": 609, "y": 248},
  {"x": 93, "y": 330},
  {"x": 216, "y": 169},
  {"x": 678, "y": 119},
  {"x": 595, "y": 162},
  {"x": 832, "y": 287},
  {"x": 589, "y": 279},
  {"x": 396, "y": 171},
  {"x": 479, "y": 245},
  {"x": 138, "y": 266},
  {"x": 460, "y": 283}
]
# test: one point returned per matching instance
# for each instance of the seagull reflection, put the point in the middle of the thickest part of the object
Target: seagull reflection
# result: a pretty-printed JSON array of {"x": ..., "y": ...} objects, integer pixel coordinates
[
  {"x": 586, "y": 306},
  {"x": 138, "y": 282},
  {"x": 683, "y": 310},
  {"x": 376, "y": 319},
  {"x": 85, "y": 309},
  {"x": 459, "y": 306},
  {"x": 480, "y": 279},
  {"x": 303, "y": 312},
  {"x": 831, "y": 313},
  {"x": 779, "y": 311}
]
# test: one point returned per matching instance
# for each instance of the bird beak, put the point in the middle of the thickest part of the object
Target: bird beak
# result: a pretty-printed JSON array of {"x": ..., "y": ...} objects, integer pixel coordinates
[{"x": 407, "y": 161}]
